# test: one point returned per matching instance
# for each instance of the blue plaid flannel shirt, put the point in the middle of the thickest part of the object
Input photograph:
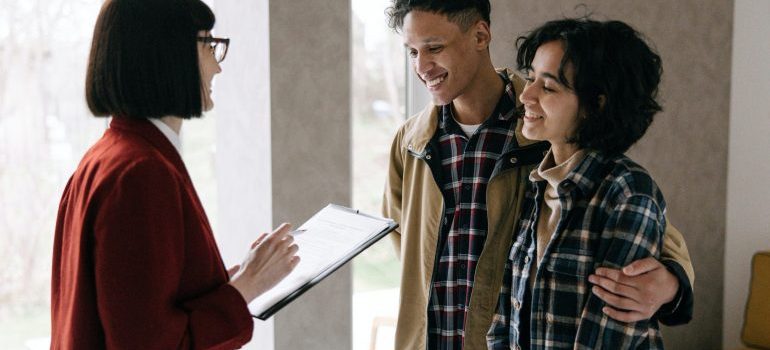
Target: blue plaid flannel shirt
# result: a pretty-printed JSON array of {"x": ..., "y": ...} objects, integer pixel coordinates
[{"x": 612, "y": 214}]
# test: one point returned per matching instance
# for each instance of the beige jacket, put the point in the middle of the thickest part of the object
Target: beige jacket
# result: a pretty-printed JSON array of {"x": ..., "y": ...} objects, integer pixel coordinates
[{"x": 413, "y": 199}]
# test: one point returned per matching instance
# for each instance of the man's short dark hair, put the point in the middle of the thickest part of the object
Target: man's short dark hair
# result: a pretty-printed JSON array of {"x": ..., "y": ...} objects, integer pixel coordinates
[
  {"x": 144, "y": 58},
  {"x": 609, "y": 59},
  {"x": 464, "y": 13}
]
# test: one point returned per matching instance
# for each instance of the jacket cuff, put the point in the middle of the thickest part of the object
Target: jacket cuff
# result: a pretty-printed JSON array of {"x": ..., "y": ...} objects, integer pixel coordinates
[{"x": 678, "y": 311}]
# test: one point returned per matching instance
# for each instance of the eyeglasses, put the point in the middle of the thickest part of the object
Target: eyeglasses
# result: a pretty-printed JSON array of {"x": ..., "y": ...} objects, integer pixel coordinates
[{"x": 218, "y": 46}]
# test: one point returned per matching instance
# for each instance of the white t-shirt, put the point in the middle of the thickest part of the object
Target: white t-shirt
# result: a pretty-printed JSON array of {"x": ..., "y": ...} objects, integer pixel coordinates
[{"x": 468, "y": 129}]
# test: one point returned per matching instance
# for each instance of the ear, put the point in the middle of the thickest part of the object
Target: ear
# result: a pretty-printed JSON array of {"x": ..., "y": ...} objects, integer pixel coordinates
[{"x": 482, "y": 34}]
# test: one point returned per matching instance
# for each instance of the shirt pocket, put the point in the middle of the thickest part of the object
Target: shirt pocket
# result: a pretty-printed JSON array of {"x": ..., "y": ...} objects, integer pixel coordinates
[
  {"x": 566, "y": 289},
  {"x": 576, "y": 264}
]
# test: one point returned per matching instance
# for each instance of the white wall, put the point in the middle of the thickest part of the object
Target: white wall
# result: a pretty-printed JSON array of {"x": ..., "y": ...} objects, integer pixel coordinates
[
  {"x": 748, "y": 193},
  {"x": 243, "y": 161}
]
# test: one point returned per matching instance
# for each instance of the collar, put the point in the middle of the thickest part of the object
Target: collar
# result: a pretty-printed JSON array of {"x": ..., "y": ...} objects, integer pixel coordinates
[
  {"x": 170, "y": 134},
  {"x": 586, "y": 174},
  {"x": 505, "y": 109},
  {"x": 554, "y": 173},
  {"x": 146, "y": 130}
]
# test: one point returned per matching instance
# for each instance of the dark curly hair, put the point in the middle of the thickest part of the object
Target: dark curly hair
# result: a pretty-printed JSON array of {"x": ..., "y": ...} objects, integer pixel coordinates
[
  {"x": 616, "y": 78},
  {"x": 464, "y": 13}
]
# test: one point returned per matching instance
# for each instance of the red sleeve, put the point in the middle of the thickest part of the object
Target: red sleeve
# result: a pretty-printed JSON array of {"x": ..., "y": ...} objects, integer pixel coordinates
[{"x": 139, "y": 257}]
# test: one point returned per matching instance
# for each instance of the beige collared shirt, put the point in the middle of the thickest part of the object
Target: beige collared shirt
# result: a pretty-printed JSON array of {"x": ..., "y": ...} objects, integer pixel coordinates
[{"x": 550, "y": 210}]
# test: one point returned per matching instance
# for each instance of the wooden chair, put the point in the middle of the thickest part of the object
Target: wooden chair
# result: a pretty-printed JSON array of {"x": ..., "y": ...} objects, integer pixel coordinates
[{"x": 756, "y": 323}]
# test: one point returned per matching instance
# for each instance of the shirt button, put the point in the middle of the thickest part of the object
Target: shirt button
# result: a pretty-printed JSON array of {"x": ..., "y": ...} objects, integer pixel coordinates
[
  {"x": 514, "y": 160},
  {"x": 462, "y": 266},
  {"x": 549, "y": 318},
  {"x": 526, "y": 259},
  {"x": 428, "y": 157},
  {"x": 516, "y": 304},
  {"x": 467, "y": 187}
]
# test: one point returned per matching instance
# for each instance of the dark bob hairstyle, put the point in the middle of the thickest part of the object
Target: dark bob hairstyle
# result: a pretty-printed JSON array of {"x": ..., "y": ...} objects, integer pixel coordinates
[
  {"x": 616, "y": 79},
  {"x": 464, "y": 13},
  {"x": 144, "y": 58}
]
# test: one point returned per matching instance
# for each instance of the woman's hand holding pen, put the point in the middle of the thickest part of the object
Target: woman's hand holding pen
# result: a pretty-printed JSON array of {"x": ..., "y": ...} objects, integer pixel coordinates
[{"x": 270, "y": 259}]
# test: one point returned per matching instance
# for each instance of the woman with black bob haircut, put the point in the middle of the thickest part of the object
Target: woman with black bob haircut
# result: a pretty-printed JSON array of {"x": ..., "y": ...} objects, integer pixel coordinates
[
  {"x": 135, "y": 264},
  {"x": 591, "y": 92}
]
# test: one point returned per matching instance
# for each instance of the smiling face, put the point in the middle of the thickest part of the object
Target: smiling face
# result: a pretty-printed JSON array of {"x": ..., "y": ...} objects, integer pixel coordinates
[
  {"x": 551, "y": 108},
  {"x": 208, "y": 69},
  {"x": 444, "y": 57}
]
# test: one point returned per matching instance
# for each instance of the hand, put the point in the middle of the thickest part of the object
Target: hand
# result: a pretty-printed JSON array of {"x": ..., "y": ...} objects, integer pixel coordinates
[
  {"x": 231, "y": 271},
  {"x": 636, "y": 292},
  {"x": 270, "y": 259}
]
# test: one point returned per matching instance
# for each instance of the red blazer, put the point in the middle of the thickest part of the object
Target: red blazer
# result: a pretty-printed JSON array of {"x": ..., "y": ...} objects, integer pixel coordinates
[{"x": 135, "y": 265}]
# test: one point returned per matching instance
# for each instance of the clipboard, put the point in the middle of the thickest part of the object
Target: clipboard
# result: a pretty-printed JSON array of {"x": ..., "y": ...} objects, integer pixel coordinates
[{"x": 292, "y": 287}]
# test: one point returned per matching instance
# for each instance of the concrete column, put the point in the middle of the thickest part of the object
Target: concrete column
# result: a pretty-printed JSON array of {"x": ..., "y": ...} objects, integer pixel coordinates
[
  {"x": 310, "y": 69},
  {"x": 686, "y": 147},
  {"x": 283, "y": 145}
]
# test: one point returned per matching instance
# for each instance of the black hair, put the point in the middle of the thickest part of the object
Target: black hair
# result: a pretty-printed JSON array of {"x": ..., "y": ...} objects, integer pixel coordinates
[
  {"x": 464, "y": 13},
  {"x": 144, "y": 58},
  {"x": 612, "y": 63}
]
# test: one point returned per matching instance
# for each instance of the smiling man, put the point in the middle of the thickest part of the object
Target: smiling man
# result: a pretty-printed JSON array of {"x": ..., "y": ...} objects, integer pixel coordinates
[{"x": 458, "y": 173}]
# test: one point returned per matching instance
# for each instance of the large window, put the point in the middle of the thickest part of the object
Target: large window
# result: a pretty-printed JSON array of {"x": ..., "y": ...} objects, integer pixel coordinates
[
  {"x": 378, "y": 109},
  {"x": 45, "y": 127}
]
